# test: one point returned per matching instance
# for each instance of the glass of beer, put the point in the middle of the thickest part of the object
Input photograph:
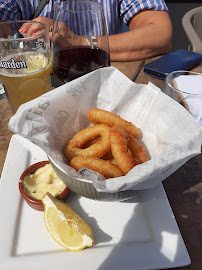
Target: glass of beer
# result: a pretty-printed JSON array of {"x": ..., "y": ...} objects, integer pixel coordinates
[{"x": 24, "y": 61}]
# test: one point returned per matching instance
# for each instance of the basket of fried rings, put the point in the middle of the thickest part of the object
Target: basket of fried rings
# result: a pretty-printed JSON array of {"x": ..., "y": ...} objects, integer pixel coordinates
[{"x": 109, "y": 147}]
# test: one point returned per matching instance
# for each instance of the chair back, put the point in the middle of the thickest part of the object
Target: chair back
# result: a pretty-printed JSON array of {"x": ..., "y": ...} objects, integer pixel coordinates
[{"x": 192, "y": 25}]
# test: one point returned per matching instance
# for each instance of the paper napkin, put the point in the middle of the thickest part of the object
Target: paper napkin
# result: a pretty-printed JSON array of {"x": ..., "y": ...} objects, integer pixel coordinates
[{"x": 168, "y": 132}]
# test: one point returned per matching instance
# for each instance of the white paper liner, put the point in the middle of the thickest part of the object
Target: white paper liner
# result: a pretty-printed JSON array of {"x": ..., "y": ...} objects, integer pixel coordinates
[{"x": 168, "y": 132}]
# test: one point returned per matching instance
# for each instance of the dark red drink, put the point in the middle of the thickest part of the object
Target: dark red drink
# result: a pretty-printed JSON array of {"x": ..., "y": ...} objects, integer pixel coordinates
[{"x": 71, "y": 63}]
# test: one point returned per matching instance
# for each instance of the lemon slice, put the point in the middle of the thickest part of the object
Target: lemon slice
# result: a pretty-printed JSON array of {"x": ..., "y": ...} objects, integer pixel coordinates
[
  {"x": 65, "y": 225},
  {"x": 36, "y": 62}
]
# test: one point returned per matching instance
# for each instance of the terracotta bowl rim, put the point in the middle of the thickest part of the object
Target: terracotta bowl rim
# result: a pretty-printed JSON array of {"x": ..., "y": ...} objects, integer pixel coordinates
[{"x": 32, "y": 168}]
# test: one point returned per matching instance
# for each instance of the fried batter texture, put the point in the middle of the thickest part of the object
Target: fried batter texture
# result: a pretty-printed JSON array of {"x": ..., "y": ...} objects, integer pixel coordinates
[
  {"x": 98, "y": 116},
  {"x": 120, "y": 150},
  {"x": 136, "y": 149},
  {"x": 98, "y": 149},
  {"x": 109, "y": 147},
  {"x": 104, "y": 167}
]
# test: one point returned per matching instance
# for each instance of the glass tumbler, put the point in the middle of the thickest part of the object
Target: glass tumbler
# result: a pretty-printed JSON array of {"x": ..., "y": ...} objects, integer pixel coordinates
[
  {"x": 186, "y": 88},
  {"x": 24, "y": 61}
]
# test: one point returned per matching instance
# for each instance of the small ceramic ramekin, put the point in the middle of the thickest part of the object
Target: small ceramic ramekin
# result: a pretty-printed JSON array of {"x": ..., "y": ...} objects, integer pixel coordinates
[{"x": 37, "y": 204}]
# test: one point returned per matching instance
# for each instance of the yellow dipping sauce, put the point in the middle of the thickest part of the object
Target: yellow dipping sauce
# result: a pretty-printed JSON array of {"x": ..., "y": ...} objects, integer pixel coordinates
[{"x": 44, "y": 180}]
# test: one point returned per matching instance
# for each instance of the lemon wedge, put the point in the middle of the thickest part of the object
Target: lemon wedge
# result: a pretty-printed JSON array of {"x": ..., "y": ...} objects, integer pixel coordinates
[
  {"x": 65, "y": 225},
  {"x": 36, "y": 62}
]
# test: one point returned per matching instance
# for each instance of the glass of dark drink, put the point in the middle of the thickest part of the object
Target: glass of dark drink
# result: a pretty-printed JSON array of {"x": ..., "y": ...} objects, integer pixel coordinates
[{"x": 79, "y": 39}]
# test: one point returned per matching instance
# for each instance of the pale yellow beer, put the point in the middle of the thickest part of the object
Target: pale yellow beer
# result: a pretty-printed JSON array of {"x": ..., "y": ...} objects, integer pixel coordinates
[{"x": 25, "y": 77}]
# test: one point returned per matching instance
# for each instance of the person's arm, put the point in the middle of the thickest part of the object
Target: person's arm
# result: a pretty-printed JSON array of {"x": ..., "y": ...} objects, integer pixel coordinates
[
  {"x": 45, "y": 20},
  {"x": 150, "y": 35}
]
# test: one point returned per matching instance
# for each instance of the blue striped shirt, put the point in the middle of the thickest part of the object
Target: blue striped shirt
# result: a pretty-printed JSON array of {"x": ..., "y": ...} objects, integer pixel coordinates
[{"x": 116, "y": 11}]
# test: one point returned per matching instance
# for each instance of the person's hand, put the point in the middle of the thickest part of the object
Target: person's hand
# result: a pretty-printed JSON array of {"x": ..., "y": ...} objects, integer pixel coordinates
[
  {"x": 65, "y": 37},
  {"x": 30, "y": 29},
  {"x": 45, "y": 20}
]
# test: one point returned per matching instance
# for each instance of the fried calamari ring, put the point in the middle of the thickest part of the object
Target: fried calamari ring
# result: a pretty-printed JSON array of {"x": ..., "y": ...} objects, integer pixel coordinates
[
  {"x": 136, "y": 149},
  {"x": 120, "y": 151},
  {"x": 91, "y": 142},
  {"x": 109, "y": 156},
  {"x": 98, "y": 116},
  {"x": 104, "y": 167},
  {"x": 98, "y": 149}
]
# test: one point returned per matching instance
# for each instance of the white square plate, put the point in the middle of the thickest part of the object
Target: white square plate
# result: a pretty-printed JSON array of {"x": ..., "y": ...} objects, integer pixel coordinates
[{"x": 140, "y": 233}]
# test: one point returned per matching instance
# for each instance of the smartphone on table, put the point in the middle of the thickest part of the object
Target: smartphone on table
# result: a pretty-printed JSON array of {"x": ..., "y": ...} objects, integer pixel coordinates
[{"x": 173, "y": 61}]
